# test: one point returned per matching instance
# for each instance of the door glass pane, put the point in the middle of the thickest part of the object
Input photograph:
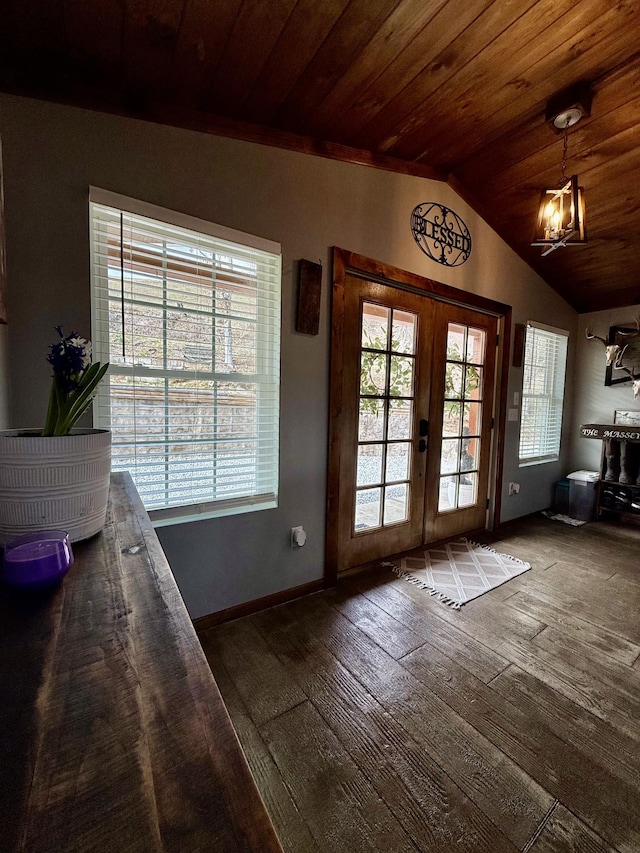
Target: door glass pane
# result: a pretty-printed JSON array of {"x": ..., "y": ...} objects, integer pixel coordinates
[
  {"x": 398, "y": 456},
  {"x": 403, "y": 332},
  {"x": 400, "y": 419},
  {"x": 471, "y": 419},
  {"x": 375, "y": 326},
  {"x": 475, "y": 346},
  {"x": 447, "y": 497},
  {"x": 473, "y": 383},
  {"x": 451, "y": 419},
  {"x": 396, "y": 504},
  {"x": 373, "y": 373},
  {"x": 401, "y": 384},
  {"x": 372, "y": 420},
  {"x": 369, "y": 464},
  {"x": 467, "y": 490},
  {"x": 368, "y": 509},
  {"x": 462, "y": 417},
  {"x": 450, "y": 456},
  {"x": 385, "y": 416},
  {"x": 469, "y": 454},
  {"x": 455, "y": 342},
  {"x": 453, "y": 381}
]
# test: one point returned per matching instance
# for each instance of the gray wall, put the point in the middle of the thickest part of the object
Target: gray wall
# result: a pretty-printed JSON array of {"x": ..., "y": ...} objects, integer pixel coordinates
[
  {"x": 308, "y": 204},
  {"x": 596, "y": 402}
]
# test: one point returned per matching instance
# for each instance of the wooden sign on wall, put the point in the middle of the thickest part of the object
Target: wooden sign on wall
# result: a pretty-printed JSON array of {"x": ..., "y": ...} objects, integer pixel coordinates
[
  {"x": 518, "y": 344},
  {"x": 3, "y": 266},
  {"x": 309, "y": 292}
]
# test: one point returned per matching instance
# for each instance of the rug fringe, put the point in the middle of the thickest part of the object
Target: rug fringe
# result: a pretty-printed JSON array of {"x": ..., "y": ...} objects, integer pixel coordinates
[
  {"x": 493, "y": 551},
  {"x": 412, "y": 579}
]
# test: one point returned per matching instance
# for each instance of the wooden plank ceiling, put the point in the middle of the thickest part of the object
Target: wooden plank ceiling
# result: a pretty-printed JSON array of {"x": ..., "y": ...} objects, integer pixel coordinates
[{"x": 440, "y": 88}]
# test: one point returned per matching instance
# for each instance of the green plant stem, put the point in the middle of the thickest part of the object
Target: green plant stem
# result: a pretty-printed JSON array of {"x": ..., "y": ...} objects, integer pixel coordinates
[{"x": 52, "y": 411}]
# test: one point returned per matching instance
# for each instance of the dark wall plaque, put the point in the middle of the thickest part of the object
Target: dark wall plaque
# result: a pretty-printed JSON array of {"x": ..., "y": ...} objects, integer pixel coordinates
[
  {"x": 309, "y": 293},
  {"x": 518, "y": 344}
]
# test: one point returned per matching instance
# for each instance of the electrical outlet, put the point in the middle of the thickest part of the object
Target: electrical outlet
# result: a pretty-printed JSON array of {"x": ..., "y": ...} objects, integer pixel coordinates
[
  {"x": 298, "y": 537},
  {"x": 514, "y": 488}
]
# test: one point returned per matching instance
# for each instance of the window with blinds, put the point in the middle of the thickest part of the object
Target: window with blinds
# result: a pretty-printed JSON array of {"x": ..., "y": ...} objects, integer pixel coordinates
[
  {"x": 545, "y": 358},
  {"x": 188, "y": 315}
]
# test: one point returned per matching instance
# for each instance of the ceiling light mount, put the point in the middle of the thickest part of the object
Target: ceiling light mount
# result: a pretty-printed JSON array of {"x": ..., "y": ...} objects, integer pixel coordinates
[
  {"x": 567, "y": 118},
  {"x": 567, "y": 107}
]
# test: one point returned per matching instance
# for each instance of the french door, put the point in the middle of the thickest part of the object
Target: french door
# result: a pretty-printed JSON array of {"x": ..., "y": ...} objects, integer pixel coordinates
[
  {"x": 461, "y": 422},
  {"x": 417, "y": 379}
]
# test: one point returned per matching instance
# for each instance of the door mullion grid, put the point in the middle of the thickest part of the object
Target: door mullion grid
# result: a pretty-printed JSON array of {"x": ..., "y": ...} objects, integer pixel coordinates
[
  {"x": 387, "y": 413},
  {"x": 387, "y": 399}
]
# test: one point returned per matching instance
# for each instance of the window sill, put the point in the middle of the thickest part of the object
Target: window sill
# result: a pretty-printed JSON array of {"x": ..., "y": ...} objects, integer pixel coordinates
[
  {"x": 200, "y": 512},
  {"x": 537, "y": 462}
]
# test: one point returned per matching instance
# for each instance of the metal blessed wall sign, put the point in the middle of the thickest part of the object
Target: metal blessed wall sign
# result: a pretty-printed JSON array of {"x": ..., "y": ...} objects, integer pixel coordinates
[{"x": 441, "y": 234}]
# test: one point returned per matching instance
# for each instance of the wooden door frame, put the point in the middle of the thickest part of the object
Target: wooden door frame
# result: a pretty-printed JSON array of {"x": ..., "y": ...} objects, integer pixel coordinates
[{"x": 344, "y": 263}]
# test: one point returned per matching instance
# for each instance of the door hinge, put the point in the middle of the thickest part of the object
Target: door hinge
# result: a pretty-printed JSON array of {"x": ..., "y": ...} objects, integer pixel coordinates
[
  {"x": 497, "y": 339},
  {"x": 493, "y": 423}
]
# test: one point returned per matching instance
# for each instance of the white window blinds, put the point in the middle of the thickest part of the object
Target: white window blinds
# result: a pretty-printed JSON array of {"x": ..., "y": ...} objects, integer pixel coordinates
[
  {"x": 188, "y": 315},
  {"x": 545, "y": 357}
]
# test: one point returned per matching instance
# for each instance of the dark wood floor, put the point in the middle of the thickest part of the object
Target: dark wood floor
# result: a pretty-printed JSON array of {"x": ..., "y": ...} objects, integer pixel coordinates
[{"x": 376, "y": 719}]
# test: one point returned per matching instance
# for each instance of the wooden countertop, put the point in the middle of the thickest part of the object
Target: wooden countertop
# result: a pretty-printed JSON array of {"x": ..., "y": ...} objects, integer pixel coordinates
[{"x": 113, "y": 735}]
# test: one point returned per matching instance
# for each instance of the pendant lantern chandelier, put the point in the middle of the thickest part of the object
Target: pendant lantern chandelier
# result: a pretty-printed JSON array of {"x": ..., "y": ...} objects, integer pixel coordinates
[{"x": 561, "y": 211}]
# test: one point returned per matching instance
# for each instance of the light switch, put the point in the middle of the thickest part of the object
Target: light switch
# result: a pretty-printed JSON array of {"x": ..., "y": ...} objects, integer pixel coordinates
[{"x": 516, "y": 398}]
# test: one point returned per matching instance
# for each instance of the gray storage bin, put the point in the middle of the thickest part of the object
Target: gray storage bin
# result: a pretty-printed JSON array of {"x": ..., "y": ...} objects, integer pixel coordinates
[
  {"x": 561, "y": 497},
  {"x": 583, "y": 492}
]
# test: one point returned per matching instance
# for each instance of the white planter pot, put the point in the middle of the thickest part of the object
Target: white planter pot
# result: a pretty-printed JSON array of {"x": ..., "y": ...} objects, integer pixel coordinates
[{"x": 54, "y": 483}]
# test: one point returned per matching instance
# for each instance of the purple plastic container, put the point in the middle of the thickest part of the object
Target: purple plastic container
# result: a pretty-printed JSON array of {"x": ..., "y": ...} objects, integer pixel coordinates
[{"x": 37, "y": 560}]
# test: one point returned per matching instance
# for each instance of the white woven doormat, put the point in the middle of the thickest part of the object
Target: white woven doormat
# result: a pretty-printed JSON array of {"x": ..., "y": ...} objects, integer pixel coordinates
[
  {"x": 565, "y": 519},
  {"x": 458, "y": 571}
]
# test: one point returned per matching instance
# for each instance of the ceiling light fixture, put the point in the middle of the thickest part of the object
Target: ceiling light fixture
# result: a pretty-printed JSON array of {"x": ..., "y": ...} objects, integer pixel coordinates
[{"x": 561, "y": 210}]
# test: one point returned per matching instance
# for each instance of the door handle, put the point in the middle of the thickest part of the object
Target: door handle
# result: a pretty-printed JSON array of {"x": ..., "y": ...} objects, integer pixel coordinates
[
  {"x": 422, "y": 445},
  {"x": 424, "y": 427}
]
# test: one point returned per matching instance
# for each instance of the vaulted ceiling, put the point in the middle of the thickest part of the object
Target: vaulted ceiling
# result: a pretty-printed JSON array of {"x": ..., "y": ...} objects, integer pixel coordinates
[{"x": 454, "y": 89}]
